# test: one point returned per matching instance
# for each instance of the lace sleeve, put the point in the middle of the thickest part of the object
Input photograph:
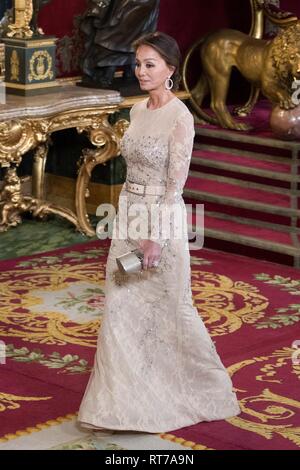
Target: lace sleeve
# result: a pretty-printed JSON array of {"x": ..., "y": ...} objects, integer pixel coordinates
[{"x": 180, "y": 151}]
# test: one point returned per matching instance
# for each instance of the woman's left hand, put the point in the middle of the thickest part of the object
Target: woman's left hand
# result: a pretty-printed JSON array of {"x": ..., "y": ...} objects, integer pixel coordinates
[{"x": 152, "y": 253}]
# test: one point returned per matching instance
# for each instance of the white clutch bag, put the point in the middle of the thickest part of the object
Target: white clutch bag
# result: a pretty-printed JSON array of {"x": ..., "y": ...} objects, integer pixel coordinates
[{"x": 131, "y": 262}]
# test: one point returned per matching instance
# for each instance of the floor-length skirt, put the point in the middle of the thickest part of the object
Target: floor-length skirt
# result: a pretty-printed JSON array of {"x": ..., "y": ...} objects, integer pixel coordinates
[{"x": 156, "y": 368}]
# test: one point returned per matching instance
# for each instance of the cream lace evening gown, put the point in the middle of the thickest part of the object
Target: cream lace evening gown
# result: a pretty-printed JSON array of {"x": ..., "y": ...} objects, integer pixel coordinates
[{"x": 156, "y": 368}]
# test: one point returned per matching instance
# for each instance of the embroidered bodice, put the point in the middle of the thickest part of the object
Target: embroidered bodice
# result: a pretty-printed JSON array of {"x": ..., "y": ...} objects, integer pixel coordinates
[{"x": 157, "y": 146}]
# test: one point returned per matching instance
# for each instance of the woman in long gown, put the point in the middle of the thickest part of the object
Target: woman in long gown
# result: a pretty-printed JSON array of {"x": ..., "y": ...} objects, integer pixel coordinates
[{"x": 156, "y": 368}]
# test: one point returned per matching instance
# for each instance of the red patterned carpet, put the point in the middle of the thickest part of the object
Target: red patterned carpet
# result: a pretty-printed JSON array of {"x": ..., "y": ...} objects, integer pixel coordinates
[{"x": 50, "y": 311}]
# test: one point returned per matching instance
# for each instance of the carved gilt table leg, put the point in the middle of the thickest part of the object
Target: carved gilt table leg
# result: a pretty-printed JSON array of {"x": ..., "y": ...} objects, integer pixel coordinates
[
  {"x": 106, "y": 138},
  {"x": 41, "y": 207},
  {"x": 38, "y": 170},
  {"x": 19, "y": 136},
  {"x": 12, "y": 202},
  {"x": 16, "y": 138}
]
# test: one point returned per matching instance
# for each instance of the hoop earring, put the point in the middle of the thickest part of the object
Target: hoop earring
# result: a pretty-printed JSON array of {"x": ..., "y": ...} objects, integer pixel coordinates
[{"x": 169, "y": 83}]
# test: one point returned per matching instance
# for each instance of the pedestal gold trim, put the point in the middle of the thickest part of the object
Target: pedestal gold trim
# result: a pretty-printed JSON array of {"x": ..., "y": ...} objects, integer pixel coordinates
[{"x": 32, "y": 43}]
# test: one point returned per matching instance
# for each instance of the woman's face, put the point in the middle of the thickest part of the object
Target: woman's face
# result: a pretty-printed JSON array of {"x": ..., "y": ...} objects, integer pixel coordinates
[{"x": 151, "y": 69}]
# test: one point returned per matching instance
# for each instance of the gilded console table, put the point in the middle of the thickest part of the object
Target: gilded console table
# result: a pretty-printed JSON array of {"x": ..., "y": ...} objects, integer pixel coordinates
[{"x": 27, "y": 123}]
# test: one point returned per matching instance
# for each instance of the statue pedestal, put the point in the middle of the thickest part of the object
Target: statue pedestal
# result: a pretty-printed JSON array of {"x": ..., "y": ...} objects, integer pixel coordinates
[{"x": 30, "y": 65}]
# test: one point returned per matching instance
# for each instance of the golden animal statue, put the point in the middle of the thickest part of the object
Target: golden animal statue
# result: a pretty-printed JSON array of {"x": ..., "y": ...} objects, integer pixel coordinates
[
  {"x": 263, "y": 11},
  {"x": 271, "y": 66},
  {"x": 23, "y": 13}
]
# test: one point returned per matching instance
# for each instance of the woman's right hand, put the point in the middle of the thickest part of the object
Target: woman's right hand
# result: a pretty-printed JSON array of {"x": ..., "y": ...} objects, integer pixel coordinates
[{"x": 152, "y": 253}]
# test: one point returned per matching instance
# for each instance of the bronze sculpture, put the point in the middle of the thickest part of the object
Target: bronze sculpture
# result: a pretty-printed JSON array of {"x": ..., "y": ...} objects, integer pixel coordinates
[
  {"x": 270, "y": 65},
  {"x": 110, "y": 27}
]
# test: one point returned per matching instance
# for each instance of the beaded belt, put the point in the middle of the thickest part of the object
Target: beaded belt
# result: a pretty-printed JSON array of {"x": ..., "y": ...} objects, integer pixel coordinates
[{"x": 143, "y": 189}]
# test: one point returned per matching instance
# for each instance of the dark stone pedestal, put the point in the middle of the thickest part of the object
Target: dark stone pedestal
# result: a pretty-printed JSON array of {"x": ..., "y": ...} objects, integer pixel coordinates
[{"x": 30, "y": 65}]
